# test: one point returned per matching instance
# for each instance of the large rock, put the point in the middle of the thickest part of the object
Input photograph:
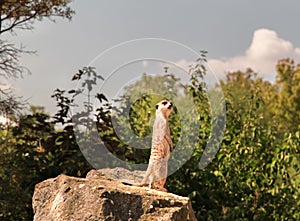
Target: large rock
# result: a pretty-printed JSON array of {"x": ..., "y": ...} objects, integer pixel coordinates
[{"x": 103, "y": 196}]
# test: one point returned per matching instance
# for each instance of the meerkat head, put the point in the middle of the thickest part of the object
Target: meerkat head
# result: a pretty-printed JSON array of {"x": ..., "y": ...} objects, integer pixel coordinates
[{"x": 164, "y": 107}]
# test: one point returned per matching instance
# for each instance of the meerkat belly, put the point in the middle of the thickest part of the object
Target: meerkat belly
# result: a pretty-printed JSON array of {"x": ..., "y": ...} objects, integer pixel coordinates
[{"x": 160, "y": 151}]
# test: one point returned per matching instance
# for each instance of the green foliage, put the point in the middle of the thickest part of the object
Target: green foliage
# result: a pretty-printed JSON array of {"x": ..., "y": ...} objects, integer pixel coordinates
[
  {"x": 35, "y": 150},
  {"x": 287, "y": 107},
  {"x": 31, "y": 152},
  {"x": 254, "y": 176}
]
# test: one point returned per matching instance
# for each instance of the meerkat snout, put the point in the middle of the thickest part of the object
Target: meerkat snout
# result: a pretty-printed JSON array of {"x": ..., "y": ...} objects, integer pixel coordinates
[{"x": 164, "y": 107}]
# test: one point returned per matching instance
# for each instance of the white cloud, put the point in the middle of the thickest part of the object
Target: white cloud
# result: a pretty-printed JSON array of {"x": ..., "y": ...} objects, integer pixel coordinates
[
  {"x": 265, "y": 50},
  {"x": 261, "y": 56}
]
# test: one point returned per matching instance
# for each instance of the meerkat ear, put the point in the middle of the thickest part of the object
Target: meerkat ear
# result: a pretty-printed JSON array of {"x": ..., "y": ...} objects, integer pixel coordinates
[{"x": 156, "y": 106}]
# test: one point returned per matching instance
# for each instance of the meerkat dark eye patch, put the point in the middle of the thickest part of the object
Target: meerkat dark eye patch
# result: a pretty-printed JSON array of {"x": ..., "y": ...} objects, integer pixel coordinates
[
  {"x": 165, "y": 102},
  {"x": 156, "y": 106}
]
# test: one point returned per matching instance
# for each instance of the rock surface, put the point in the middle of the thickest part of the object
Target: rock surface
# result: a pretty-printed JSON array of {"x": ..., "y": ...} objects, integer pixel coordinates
[{"x": 103, "y": 196}]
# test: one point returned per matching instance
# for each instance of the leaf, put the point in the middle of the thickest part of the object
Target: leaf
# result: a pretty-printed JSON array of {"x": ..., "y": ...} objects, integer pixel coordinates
[{"x": 101, "y": 97}]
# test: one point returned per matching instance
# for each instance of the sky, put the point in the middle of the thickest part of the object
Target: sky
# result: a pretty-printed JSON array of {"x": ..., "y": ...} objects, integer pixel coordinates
[{"x": 237, "y": 35}]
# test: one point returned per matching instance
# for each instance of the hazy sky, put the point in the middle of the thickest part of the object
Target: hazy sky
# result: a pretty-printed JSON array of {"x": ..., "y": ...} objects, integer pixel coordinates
[{"x": 237, "y": 34}]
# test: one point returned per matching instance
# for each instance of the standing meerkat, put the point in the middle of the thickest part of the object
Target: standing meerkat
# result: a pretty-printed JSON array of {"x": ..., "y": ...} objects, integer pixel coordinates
[{"x": 162, "y": 145}]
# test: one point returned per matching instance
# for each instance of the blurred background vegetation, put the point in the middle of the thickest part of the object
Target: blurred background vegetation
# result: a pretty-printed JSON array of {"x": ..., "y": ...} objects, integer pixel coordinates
[{"x": 254, "y": 176}]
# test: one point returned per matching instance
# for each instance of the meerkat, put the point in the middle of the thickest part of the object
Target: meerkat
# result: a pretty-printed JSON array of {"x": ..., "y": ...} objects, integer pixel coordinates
[{"x": 162, "y": 145}]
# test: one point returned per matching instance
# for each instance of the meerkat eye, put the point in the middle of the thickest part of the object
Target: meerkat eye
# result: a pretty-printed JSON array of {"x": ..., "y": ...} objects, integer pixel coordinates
[
  {"x": 164, "y": 103},
  {"x": 156, "y": 106}
]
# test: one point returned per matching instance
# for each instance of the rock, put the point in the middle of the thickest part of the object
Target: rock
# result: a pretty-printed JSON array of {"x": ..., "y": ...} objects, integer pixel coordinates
[
  {"x": 103, "y": 196},
  {"x": 120, "y": 174}
]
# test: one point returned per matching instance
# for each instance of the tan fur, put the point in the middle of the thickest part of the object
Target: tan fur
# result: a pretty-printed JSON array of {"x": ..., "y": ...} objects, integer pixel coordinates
[{"x": 157, "y": 171}]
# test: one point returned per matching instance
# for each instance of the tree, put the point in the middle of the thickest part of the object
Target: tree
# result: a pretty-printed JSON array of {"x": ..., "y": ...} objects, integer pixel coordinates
[
  {"x": 23, "y": 159},
  {"x": 21, "y": 15},
  {"x": 255, "y": 174},
  {"x": 287, "y": 108}
]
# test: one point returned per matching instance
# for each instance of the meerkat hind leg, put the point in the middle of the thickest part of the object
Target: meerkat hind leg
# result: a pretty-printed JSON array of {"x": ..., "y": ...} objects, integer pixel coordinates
[
  {"x": 160, "y": 185},
  {"x": 147, "y": 177},
  {"x": 162, "y": 182}
]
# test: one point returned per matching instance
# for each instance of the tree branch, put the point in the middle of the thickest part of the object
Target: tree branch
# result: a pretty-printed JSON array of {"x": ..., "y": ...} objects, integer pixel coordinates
[
  {"x": 9, "y": 60},
  {"x": 16, "y": 23},
  {"x": 16, "y": 14}
]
